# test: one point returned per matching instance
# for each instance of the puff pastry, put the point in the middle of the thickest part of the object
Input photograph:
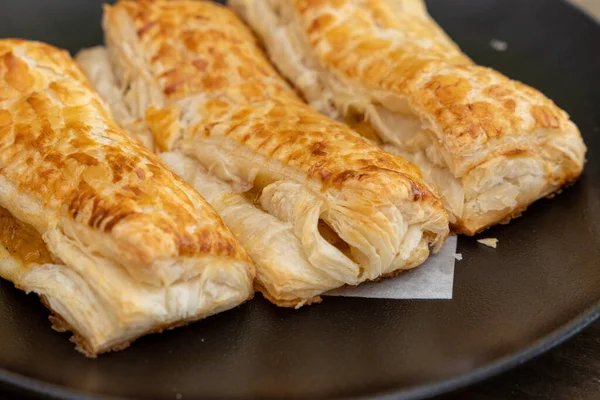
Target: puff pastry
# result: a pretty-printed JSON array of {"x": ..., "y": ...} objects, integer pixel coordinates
[
  {"x": 315, "y": 205},
  {"x": 491, "y": 145},
  {"x": 113, "y": 242}
]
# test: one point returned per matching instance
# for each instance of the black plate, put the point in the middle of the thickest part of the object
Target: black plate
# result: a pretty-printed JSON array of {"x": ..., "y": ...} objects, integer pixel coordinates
[{"x": 541, "y": 285}]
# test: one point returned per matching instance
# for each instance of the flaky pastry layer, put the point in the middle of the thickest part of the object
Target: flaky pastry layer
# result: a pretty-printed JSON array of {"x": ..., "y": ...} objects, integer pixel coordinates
[
  {"x": 315, "y": 204},
  {"x": 491, "y": 145},
  {"x": 132, "y": 246}
]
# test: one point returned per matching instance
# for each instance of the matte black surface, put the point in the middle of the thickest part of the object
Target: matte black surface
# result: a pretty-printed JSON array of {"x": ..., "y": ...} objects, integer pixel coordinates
[
  {"x": 538, "y": 287},
  {"x": 568, "y": 372}
]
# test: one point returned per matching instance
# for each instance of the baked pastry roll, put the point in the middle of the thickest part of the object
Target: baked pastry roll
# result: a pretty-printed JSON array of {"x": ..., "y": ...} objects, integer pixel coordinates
[
  {"x": 315, "y": 205},
  {"x": 490, "y": 145},
  {"x": 113, "y": 242}
]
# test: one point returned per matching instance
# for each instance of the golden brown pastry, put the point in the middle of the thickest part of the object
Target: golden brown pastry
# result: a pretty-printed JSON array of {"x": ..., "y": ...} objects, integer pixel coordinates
[
  {"x": 491, "y": 145},
  {"x": 115, "y": 244},
  {"x": 315, "y": 205}
]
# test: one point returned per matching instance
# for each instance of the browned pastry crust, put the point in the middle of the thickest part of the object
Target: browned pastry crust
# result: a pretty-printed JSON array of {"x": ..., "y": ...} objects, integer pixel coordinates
[
  {"x": 386, "y": 64},
  {"x": 59, "y": 146},
  {"x": 510, "y": 215},
  {"x": 211, "y": 102},
  {"x": 248, "y": 99},
  {"x": 122, "y": 228},
  {"x": 287, "y": 303}
]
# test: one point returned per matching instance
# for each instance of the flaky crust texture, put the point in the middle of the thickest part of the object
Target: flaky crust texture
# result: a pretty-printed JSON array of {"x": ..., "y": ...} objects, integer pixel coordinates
[
  {"x": 193, "y": 46},
  {"x": 293, "y": 303},
  {"x": 393, "y": 47},
  {"x": 61, "y": 151},
  {"x": 490, "y": 145},
  {"x": 196, "y": 48},
  {"x": 82, "y": 344}
]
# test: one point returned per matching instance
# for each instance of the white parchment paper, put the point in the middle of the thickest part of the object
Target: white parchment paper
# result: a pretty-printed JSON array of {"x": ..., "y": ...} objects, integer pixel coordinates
[{"x": 431, "y": 280}]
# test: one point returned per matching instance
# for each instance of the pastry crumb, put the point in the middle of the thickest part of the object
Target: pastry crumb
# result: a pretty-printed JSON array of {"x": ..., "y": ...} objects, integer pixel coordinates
[
  {"x": 300, "y": 304},
  {"x": 458, "y": 256},
  {"x": 498, "y": 45},
  {"x": 489, "y": 242}
]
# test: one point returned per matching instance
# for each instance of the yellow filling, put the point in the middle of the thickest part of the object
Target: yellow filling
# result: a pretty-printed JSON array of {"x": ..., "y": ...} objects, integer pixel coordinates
[{"x": 22, "y": 241}]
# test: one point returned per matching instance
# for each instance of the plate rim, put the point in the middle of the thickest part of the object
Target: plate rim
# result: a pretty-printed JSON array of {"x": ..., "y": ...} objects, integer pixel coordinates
[{"x": 34, "y": 386}]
